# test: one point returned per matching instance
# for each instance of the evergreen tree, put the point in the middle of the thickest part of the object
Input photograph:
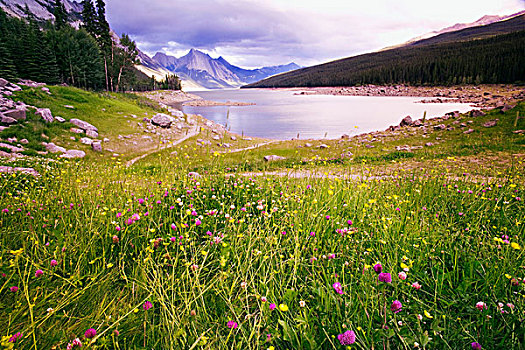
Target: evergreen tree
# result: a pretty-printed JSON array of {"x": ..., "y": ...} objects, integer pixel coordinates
[
  {"x": 89, "y": 17},
  {"x": 7, "y": 68},
  {"x": 60, "y": 15},
  {"x": 103, "y": 37}
]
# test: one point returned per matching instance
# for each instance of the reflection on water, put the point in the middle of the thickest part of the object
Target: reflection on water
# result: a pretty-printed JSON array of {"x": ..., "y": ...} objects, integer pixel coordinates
[{"x": 282, "y": 115}]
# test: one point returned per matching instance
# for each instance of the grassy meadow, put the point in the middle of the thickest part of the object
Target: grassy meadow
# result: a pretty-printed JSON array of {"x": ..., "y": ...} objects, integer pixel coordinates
[{"x": 386, "y": 250}]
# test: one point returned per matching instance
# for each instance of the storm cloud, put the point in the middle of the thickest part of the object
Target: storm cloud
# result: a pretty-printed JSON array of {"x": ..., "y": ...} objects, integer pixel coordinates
[{"x": 254, "y": 33}]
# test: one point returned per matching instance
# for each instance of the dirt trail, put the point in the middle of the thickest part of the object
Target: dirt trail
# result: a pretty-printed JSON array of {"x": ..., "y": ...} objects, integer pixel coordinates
[
  {"x": 193, "y": 132},
  {"x": 237, "y": 150}
]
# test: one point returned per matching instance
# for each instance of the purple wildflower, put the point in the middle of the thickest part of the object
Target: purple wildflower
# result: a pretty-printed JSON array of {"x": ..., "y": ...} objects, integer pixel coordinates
[
  {"x": 232, "y": 324},
  {"x": 147, "y": 305},
  {"x": 90, "y": 333},
  {"x": 476, "y": 346},
  {"x": 396, "y": 306},
  {"x": 346, "y": 338},
  {"x": 378, "y": 268}
]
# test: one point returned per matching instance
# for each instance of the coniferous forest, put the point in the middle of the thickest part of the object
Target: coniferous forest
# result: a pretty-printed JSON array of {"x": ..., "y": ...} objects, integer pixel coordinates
[
  {"x": 57, "y": 53},
  {"x": 494, "y": 60}
]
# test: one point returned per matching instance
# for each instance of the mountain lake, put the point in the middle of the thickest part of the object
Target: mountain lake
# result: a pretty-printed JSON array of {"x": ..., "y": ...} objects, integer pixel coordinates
[{"x": 283, "y": 115}]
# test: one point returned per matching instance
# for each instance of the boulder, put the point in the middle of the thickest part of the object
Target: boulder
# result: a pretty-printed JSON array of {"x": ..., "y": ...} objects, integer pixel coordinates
[
  {"x": 18, "y": 114},
  {"x": 404, "y": 148},
  {"x": 216, "y": 137},
  {"x": 273, "y": 158},
  {"x": 491, "y": 123},
  {"x": 7, "y": 120},
  {"x": 233, "y": 138},
  {"x": 83, "y": 124},
  {"x": 11, "y": 170},
  {"x": 507, "y": 108},
  {"x": 308, "y": 144},
  {"x": 96, "y": 146},
  {"x": 51, "y": 147},
  {"x": 407, "y": 121},
  {"x": 12, "y": 139},
  {"x": 417, "y": 123},
  {"x": 247, "y": 139},
  {"x": 518, "y": 131},
  {"x": 429, "y": 144},
  {"x": 106, "y": 139},
  {"x": 176, "y": 113},
  {"x": 76, "y": 130},
  {"x": 323, "y": 146},
  {"x": 345, "y": 137},
  {"x": 69, "y": 107},
  {"x": 24, "y": 141},
  {"x": 3, "y": 82},
  {"x": 45, "y": 113},
  {"x": 469, "y": 131},
  {"x": 477, "y": 113},
  {"x": 91, "y": 133},
  {"x": 72, "y": 153},
  {"x": 13, "y": 87},
  {"x": 440, "y": 127},
  {"x": 194, "y": 174},
  {"x": 60, "y": 119},
  {"x": 86, "y": 141},
  {"x": 162, "y": 120},
  {"x": 46, "y": 90}
]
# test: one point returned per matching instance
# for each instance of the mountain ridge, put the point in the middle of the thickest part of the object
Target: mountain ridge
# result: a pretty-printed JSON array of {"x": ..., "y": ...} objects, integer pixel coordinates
[{"x": 213, "y": 73}]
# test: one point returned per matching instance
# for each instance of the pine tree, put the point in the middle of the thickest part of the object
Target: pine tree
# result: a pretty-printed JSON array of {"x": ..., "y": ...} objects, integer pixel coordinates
[
  {"x": 89, "y": 17},
  {"x": 7, "y": 68},
  {"x": 103, "y": 37},
  {"x": 60, "y": 15}
]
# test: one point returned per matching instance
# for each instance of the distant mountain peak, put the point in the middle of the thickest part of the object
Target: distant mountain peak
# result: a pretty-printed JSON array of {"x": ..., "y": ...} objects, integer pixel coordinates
[{"x": 200, "y": 68}]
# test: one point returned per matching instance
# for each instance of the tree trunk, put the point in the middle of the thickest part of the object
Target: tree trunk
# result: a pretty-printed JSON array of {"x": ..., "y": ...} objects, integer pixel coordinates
[
  {"x": 119, "y": 76},
  {"x": 106, "y": 69}
]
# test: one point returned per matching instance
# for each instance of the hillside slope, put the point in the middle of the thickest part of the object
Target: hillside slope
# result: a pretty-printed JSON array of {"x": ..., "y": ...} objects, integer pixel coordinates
[{"x": 487, "y": 54}]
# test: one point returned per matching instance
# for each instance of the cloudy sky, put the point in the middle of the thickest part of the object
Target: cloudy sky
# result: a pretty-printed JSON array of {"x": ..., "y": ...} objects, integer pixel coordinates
[{"x": 255, "y": 33}]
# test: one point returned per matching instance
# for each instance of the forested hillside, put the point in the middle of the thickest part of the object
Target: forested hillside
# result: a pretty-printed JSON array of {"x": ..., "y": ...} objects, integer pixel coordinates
[
  {"x": 493, "y": 59},
  {"x": 54, "y": 52}
]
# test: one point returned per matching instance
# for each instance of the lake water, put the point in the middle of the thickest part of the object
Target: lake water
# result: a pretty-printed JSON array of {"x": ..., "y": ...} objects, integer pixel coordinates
[{"x": 282, "y": 115}]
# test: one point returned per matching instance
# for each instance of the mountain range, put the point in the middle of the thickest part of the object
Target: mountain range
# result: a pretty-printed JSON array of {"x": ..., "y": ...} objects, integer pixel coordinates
[
  {"x": 201, "y": 70},
  {"x": 41, "y": 9}
]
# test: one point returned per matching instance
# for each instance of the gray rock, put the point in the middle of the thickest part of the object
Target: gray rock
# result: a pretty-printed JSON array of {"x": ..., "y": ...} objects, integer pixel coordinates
[
  {"x": 491, "y": 123},
  {"x": 96, "y": 146},
  {"x": 407, "y": 121},
  {"x": 247, "y": 139},
  {"x": 91, "y": 133},
  {"x": 518, "y": 131},
  {"x": 273, "y": 158},
  {"x": 106, "y": 139},
  {"x": 13, "y": 87},
  {"x": 11, "y": 170},
  {"x": 176, "y": 113},
  {"x": 51, "y": 147},
  {"x": 60, "y": 119},
  {"x": 11, "y": 147},
  {"x": 69, "y": 107},
  {"x": 308, "y": 144},
  {"x": 233, "y": 138},
  {"x": 429, "y": 144},
  {"x": 345, "y": 137},
  {"x": 3, "y": 82},
  {"x": 45, "y": 113},
  {"x": 405, "y": 148},
  {"x": 162, "y": 120},
  {"x": 12, "y": 139},
  {"x": 507, "y": 108},
  {"x": 440, "y": 127},
  {"x": 18, "y": 114},
  {"x": 86, "y": 141},
  {"x": 323, "y": 146},
  {"x": 417, "y": 123},
  {"x": 46, "y": 90},
  {"x": 72, "y": 153},
  {"x": 7, "y": 120},
  {"x": 477, "y": 113},
  {"x": 469, "y": 131},
  {"x": 76, "y": 130},
  {"x": 24, "y": 141},
  {"x": 194, "y": 174},
  {"x": 216, "y": 137},
  {"x": 83, "y": 124}
]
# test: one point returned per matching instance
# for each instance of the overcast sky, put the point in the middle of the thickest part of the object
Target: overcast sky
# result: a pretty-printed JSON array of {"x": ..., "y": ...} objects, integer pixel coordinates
[{"x": 255, "y": 33}]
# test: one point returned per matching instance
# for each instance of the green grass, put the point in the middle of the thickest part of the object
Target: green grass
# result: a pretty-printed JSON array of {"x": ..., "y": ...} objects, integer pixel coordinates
[{"x": 224, "y": 247}]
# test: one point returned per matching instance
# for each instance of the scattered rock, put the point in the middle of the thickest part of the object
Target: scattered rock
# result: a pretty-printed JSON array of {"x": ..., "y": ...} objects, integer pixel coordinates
[
  {"x": 11, "y": 147},
  {"x": 345, "y": 137},
  {"x": 3, "y": 82},
  {"x": 247, "y": 139},
  {"x": 46, "y": 90},
  {"x": 477, "y": 113},
  {"x": 404, "y": 148},
  {"x": 60, "y": 119},
  {"x": 11, "y": 170},
  {"x": 12, "y": 139},
  {"x": 96, "y": 146},
  {"x": 308, "y": 144},
  {"x": 273, "y": 158},
  {"x": 86, "y": 141},
  {"x": 24, "y": 141},
  {"x": 51, "y": 147},
  {"x": 429, "y": 144},
  {"x": 194, "y": 174},
  {"x": 407, "y": 121},
  {"x": 45, "y": 113},
  {"x": 518, "y": 131},
  {"x": 162, "y": 120},
  {"x": 18, "y": 114},
  {"x": 73, "y": 154},
  {"x": 507, "y": 108},
  {"x": 83, "y": 124},
  {"x": 216, "y": 137},
  {"x": 233, "y": 138},
  {"x": 106, "y": 139},
  {"x": 7, "y": 120},
  {"x": 76, "y": 130},
  {"x": 323, "y": 146},
  {"x": 91, "y": 133},
  {"x": 418, "y": 123},
  {"x": 469, "y": 131},
  {"x": 440, "y": 127},
  {"x": 491, "y": 123}
]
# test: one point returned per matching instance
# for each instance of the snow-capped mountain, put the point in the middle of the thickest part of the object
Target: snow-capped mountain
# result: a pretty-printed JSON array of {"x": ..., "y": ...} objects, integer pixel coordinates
[{"x": 215, "y": 73}]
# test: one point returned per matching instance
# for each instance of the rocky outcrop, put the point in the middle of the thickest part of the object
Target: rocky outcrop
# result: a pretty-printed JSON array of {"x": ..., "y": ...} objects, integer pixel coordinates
[
  {"x": 407, "y": 121},
  {"x": 96, "y": 146},
  {"x": 51, "y": 147},
  {"x": 7, "y": 120},
  {"x": 91, "y": 133},
  {"x": 491, "y": 123},
  {"x": 73, "y": 154},
  {"x": 18, "y": 114},
  {"x": 11, "y": 170}
]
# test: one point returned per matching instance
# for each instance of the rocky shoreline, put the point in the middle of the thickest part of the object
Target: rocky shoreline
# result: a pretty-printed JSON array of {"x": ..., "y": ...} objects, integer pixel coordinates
[
  {"x": 178, "y": 99},
  {"x": 483, "y": 96}
]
